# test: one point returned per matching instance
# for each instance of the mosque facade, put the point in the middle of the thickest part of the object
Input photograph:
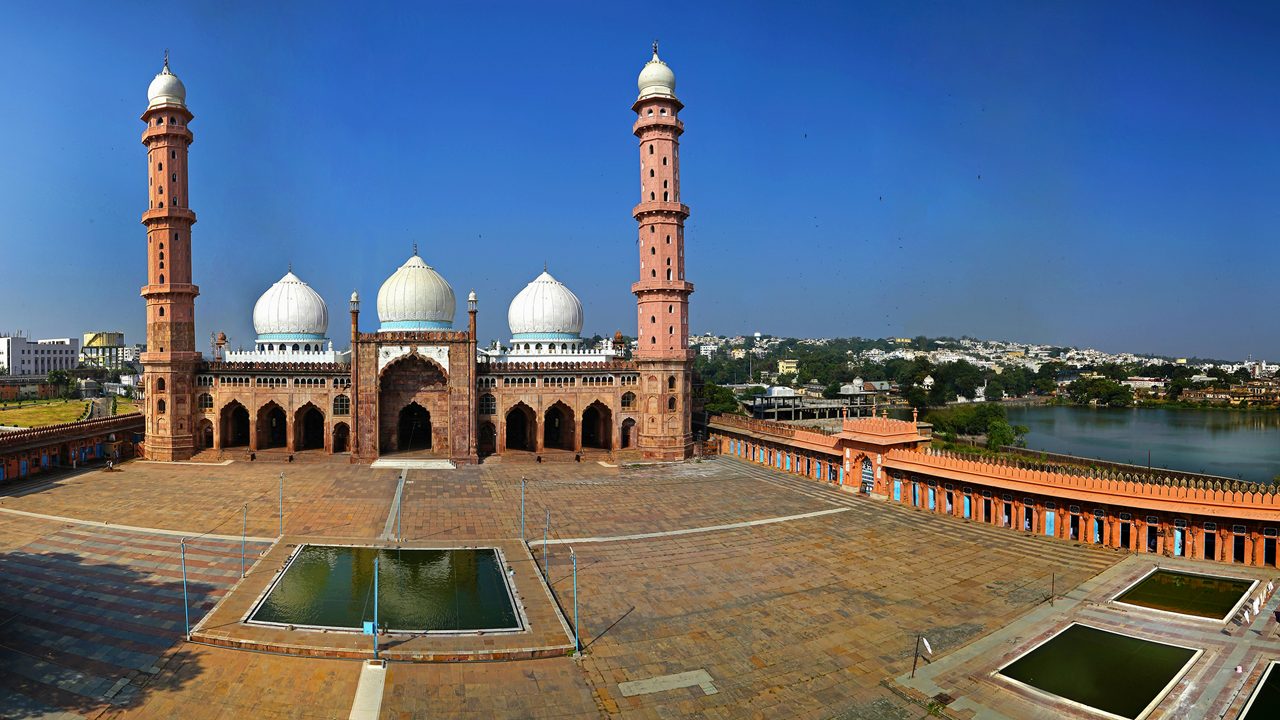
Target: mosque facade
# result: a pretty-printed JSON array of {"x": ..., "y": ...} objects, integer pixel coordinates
[{"x": 415, "y": 383}]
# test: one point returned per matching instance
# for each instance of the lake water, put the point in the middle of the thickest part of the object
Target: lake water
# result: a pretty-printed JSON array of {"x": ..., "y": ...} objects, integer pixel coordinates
[{"x": 1219, "y": 442}]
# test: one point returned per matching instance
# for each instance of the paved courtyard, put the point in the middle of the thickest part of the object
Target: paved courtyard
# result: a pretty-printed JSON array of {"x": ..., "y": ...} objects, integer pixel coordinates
[{"x": 712, "y": 589}]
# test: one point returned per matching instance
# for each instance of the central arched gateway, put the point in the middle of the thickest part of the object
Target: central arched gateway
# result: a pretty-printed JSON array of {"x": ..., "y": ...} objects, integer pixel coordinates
[
  {"x": 597, "y": 426},
  {"x": 520, "y": 428},
  {"x": 557, "y": 427},
  {"x": 413, "y": 430}
]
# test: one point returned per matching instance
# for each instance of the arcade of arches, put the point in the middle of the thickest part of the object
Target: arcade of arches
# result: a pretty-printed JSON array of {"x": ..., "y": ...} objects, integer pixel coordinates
[{"x": 557, "y": 427}]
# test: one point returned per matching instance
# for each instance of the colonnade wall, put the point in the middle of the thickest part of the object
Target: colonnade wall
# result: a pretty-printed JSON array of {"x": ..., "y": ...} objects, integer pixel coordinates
[{"x": 1223, "y": 521}]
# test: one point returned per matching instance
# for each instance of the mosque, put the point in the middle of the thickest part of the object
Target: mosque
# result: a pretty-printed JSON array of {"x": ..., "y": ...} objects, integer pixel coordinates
[{"x": 418, "y": 384}]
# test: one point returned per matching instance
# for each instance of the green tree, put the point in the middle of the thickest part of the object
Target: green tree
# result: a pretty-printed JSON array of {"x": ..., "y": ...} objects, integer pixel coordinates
[
  {"x": 719, "y": 399},
  {"x": 62, "y": 382},
  {"x": 999, "y": 434},
  {"x": 786, "y": 379},
  {"x": 995, "y": 391}
]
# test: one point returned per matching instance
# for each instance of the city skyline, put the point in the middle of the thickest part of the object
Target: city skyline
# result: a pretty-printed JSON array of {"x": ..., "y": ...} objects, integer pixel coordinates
[{"x": 884, "y": 178}]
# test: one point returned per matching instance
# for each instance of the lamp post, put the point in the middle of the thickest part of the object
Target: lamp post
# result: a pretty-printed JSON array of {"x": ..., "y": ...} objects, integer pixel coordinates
[
  {"x": 186, "y": 605},
  {"x": 577, "y": 646},
  {"x": 522, "y": 483},
  {"x": 244, "y": 530},
  {"x": 281, "y": 504}
]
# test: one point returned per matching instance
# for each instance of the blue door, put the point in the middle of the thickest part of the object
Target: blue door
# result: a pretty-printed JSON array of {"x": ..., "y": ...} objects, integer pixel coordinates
[
  {"x": 788, "y": 461},
  {"x": 1048, "y": 522},
  {"x": 897, "y": 490},
  {"x": 968, "y": 506},
  {"x": 22, "y": 468},
  {"x": 1097, "y": 531},
  {"x": 915, "y": 495},
  {"x": 1177, "y": 541},
  {"x": 98, "y": 450},
  {"x": 841, "y": 476},
  {"x": 932, "y": 500},
  {"x": 44, "y": 461}
]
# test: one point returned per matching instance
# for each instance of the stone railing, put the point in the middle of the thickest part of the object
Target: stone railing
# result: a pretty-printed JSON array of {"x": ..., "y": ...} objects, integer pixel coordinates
[
  {"x": 214, "y": 366},
  {"x": 1110, "y": 482},
  {"x": 499, "y": 368},
  {"x": 57, "y": 433},
  {"x": 777, "y": 429},
  {"x": 879, "y": 426}
]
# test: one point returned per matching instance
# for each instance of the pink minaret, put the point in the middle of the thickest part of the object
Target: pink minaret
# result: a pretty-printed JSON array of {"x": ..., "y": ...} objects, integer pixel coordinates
[
  {"x": 170, "y": 359},
  {"x": 662, "y": 293}
]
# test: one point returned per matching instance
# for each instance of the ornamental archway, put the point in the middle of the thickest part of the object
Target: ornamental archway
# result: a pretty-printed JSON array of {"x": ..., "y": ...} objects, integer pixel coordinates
[
  {"x": 597, "y": 426},
  {"x": 557, "y": 427},
  {"x": 413, "y": 428},
  {"x": 520, "y": 428}
]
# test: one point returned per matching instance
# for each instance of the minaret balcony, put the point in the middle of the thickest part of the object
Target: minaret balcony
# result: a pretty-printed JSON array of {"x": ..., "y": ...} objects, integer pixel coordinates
[
  {"x": 649, "y": 121},
  {"x": 658, "y": 207},
  {"x": 180, "y": 214},
  {"x": 153, "y": 132},
  {"x": 658, "y": 285}
]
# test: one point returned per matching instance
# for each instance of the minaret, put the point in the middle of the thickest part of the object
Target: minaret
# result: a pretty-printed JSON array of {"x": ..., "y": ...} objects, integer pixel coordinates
[
  {"x": 170, "y": 359},
  {"x": 662, "y": 293}
]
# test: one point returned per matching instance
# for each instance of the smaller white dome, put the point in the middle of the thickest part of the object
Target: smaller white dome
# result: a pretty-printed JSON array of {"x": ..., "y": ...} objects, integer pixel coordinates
[
  {"x": 290, "y": 308},
  {"x": 545, "y": 309},
  {"x": 166, "y": 89},
  {"x": 656, "y": 78},
  {"x": 416, "y": 297}
]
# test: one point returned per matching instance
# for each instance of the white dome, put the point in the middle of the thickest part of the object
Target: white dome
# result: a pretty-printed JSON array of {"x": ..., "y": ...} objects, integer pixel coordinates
[
  {"x": 290, "y": 308},
  {"x": 166, "y": 88},
  {"x": 545, "y": 309},
  {"x": 415, "y": 297},
  {"x": 656, "y": 78}
]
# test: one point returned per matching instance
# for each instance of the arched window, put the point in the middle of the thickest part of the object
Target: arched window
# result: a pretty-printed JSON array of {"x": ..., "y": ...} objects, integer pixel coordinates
[
  {"x": 653, "y": 273},
  {"x": 650, "y": 172},
  {"x": 537, "y": 347},
  {"x": 306, "y": 348},
  {"x": 160, "y": 406},
  {"x": 205, "y": 401},
  {"x": 671, "y": 403},
  {"x": 665, "y": 196},
  {"x": 295, "y": 347},
  {"x": 664, "y": 161},
  {"x": 161, "y": 309},
  {"x": 650, "y": 148},
  {"x": 668, "y": 273},
  {"x": 653, "y": 340},
  {"x": 651, "y": 197},
  {"x": 488, "y": 405},
  {"x": 671, "y": 329},
  {"x": 653, "y": 250},
  {"x": 653, "y": 319},
  {"x": 628, "y": 400},
  {"x": 671, "y": 382},
  {"x": 159, "y": 384},
  {"x": 342, "y": 405}
]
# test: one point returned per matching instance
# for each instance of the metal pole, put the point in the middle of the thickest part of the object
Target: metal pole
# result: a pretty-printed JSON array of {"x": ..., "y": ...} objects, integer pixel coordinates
[
  {"x": 282, "y": 504},
  {"x": 521, "y": 509},
  {"x": 577, "y": 646},
  {"x": 399, "y": 507},
  {"x": 186, "y": 606},
  {"x": 244, "y": 530},
  {"x": 1053, "y": 586},
  {"x": 375, "y": 607},
  {"x": 915, "y": 660},
  {"x": 545, "y": 529}
]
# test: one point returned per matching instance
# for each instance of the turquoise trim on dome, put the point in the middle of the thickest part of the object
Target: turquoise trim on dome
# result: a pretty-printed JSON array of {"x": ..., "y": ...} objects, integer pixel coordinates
[
  {"x": 277, "y": 337},
  {"x": 415, "y": 325},
  {"x": 546, "y": 336}
]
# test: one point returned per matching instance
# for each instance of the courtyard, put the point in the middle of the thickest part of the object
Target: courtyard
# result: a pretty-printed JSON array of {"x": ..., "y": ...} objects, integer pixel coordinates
[{"x": 712, "y": 589}]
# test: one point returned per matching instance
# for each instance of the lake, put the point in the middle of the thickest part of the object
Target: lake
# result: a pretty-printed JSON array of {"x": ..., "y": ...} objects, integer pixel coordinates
[{"x": 1219, "y": 442}]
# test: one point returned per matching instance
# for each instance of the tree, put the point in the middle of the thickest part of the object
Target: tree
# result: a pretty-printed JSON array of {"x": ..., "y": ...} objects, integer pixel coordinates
[
  {"x": 719, "y": 399},
  {"x": 995, "y": 391},
  {"x": 999, "y": 434},
  {"x": 61, "y": 380},
  {"x": 786, "y": 379}
]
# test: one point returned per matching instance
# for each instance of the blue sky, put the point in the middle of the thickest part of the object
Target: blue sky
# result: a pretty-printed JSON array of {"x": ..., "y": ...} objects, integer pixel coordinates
[{"x": 1079, "y": 173}]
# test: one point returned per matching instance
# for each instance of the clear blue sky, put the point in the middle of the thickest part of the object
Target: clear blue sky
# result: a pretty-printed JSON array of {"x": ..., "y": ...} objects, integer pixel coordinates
[{"x": 1079, "y": 173}]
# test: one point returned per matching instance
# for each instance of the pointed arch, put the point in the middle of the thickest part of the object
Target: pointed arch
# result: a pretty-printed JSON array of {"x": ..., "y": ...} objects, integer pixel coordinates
[
  {"x": 273, "y": 426},
  {"x": 597, "y": 426},
  {"x": 521, "y": 427},
  {"x": 558, "y": 426},
  {"x": 233, "y": 425},
  {"x": 308, "y": 424}
]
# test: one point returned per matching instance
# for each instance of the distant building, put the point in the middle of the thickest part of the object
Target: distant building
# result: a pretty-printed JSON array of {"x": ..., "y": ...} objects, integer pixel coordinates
[
  {"x": 103, "y": 349},
  {"x": 25, "y": 357},
  {"x": 788, "y": 367},
  {"x": 707, "y": 350},
  {"x": 738, "y": 353}
]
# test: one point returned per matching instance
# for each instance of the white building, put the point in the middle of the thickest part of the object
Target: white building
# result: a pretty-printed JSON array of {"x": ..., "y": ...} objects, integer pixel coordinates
[{"x": 38, "y": 357}]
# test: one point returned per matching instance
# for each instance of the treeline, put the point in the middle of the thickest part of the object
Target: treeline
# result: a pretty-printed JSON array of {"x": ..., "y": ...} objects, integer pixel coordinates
[{"x": 987, "y": 419}]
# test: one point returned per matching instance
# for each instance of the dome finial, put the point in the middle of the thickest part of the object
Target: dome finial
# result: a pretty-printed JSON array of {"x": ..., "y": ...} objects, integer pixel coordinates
[
  {"x": 415, "y": 248},
  {"x": 166, "y": 61},
  {"x": 290, "y": 266},
  {"x": 655, "y": 48}
]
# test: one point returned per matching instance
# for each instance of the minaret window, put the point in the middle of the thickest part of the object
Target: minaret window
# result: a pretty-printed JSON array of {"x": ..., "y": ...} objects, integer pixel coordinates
[
  {"x": 664, "y": 161},
  {"x": 174, "y": 153},
  {"x": 174, "y": 178},
  {"x": 160, "y": 167},
  {"x": 161, "y": 203},
  {"x": 668, "y": 273},
  {"x": 160, "y": 407},
  {"x": 160, "y": 189},
  {"x": 161, "y": 312},
  {"x": 653, "y": 319},
  {"x": 650, "y": 148},
  {"x": 650, "y": 172},
  {"x": 651, "y": 197},
  {"x": 653, "y": 250},
  {"x": 161, "y": 282},
  {"x": 671, "y": 403},
  {"x": 663, "y": 111},
  {"x": 162, "y": 252}
]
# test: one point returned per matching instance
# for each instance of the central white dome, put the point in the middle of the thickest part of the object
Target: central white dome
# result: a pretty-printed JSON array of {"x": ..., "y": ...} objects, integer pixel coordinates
[
  {"x": 545, "y": 309},
  {"x": 166, "y": 89},
  {"x": 415, "y": 297},
  {"x": 290, "y": 308}
]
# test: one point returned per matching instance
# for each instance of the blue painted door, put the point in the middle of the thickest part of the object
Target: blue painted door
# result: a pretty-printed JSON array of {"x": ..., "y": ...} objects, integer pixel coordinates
[
  {"x": 932, "y": 500},
  {"x": 1097, "y": 531},
  {"x": 915, "y": 494},
  {"x": 968, "y": 506},
  {"x": 22, "y": 468},
  {"x": 1048, "y": 522},
  {"x": 841, "y": 476},
  {"x": 1177, "y": 541},
  {"x": 897, "y": 490}
]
